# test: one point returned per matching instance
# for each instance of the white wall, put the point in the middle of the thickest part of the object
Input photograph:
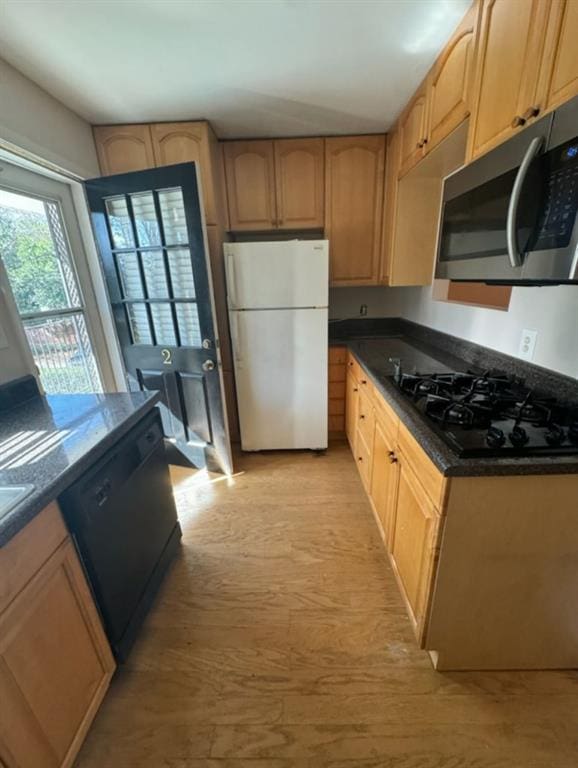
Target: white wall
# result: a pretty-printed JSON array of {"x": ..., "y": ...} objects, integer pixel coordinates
[
  {"x": 552, "y": 311},
  {"x": 381, "y": 302},
  {"x": 34, "y": 121}
]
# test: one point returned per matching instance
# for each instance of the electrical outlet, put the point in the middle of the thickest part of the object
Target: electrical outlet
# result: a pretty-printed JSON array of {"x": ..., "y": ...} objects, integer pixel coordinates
[
  {"x": 527, "y": 344},
  {"x": 363, "y": 310}
]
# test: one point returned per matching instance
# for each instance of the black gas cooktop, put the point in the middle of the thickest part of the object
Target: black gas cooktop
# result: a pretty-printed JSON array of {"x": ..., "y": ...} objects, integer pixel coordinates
[{"x": 492, "y": 414}]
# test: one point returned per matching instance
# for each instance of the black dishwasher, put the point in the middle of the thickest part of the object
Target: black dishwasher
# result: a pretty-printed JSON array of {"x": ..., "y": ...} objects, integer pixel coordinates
[{"x": 123, "y": 519}]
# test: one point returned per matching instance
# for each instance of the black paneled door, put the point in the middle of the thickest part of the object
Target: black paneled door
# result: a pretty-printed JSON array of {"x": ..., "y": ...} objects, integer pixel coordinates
[{"x": 149, "y": 230}]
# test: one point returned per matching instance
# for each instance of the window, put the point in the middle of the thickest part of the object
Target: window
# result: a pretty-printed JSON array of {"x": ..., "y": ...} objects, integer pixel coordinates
[{"x": 36, "y": 254}]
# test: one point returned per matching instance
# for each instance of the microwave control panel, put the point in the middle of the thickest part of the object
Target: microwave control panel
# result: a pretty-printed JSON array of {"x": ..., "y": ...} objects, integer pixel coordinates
[{"x": 561, "y": 197}]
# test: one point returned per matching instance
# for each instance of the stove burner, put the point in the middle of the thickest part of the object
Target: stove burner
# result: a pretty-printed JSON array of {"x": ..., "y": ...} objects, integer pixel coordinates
[{"x": 491, "y": 413}]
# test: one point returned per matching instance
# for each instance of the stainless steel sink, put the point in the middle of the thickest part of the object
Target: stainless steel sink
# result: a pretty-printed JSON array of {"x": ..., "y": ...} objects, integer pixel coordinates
[{"x": 11, "y": 496}]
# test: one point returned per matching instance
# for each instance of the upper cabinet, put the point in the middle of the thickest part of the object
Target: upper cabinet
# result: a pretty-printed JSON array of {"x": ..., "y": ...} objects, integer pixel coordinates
[
  {"x": 250, "y": 174},
  {"x": 299, "y": 183},
  {"x": 508, "y": 61},
  {"x": 450, "y": 83},
  {"x": 175, "y": 143},
  {"x": 124, "y": 148},
  {"x": 275, "y": 184},
  {"x": 559, "y": 79},
  {"x": 412, "y": 130},
  {"x": 392, "y": 160},
  {"x": 354, "y": 171}
]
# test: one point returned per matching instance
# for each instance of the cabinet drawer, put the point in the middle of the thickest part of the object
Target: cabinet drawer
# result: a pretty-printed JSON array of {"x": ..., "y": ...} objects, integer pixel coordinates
[
  {"x": 337, "y": 389},
  {"x": 363, "y": 459},
  {"x": 353, "y": 367},
  {"x": 431, "y": 479},
  {"x": 337, "y": 355},
  {"x": 27, "y": 552},
  {"x": 386, "y": 416},
  {"x": 365, "y": 418}
]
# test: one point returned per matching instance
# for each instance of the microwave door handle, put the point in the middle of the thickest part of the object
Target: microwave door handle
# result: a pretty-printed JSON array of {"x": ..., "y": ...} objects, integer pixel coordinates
[{"x": 516, "y": 258}]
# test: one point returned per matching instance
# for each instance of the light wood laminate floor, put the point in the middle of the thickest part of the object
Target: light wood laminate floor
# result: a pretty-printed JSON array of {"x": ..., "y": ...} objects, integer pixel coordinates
[{"x": 279, "y": 640}]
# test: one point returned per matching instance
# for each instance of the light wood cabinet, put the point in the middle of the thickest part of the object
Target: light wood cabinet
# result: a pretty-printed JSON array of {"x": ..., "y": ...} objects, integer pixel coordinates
[
  {"x": 175, "y": 143},
  {"x": 55, "y": 661},
  {"x": 337, "y": 360},
  {"x": 351, "y": 404},
  {"x": 393, "y": 157},
  {"x": 383, "y": 480},
  {"x": 275, "y": 184},
  {"x": 124, "y": 148},
  {"x": 413, "y": 542},
  {"x": 559, "y": 78},
  {"x": 354, "y": 173},
  {"x": 299, "y": 183},
  {"x": 508, "y": 60},
  {"x": 451, "y": 80},
  {"x": 413, "y": 130},
  {"x": 250, "y": 175}
]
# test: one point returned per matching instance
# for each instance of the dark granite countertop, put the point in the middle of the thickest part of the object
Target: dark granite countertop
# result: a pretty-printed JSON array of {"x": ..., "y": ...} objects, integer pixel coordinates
[
  {"x": 51, "y": 441},
  {"x": 399, "y": 339}
]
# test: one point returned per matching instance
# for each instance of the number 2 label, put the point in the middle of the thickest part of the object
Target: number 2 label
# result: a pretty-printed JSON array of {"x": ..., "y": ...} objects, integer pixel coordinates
[{"x": 167, "y": 357}]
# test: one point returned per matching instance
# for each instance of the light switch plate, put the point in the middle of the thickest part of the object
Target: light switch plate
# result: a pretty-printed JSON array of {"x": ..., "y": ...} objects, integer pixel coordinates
[{"x": 527, "y": 344}]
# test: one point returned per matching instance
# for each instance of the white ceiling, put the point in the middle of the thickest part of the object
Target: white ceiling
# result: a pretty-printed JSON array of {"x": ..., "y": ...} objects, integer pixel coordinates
[{"x": 252, "y": 67}]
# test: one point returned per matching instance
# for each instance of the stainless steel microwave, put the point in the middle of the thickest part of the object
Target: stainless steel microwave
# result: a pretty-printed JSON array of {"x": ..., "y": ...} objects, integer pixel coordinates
[{"x": 510, "y": 216}]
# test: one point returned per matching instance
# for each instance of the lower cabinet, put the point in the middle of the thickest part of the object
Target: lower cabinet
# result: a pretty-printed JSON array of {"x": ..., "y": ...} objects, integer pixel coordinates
[
  {"x": 55, "y": 661},
  {"x": 406, "y": 509},
  {"x": 414, "y": 529},
  {"x": 351, "y": 399}
]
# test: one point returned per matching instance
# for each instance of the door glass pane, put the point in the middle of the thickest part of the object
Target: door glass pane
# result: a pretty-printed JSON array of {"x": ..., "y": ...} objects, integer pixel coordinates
[
  {"x": 61, "y": 350},
  {"x": 145, "y": 219},
  {"x": 139, "y": 323},
  {"x": 163, "y": 322},
  {"x": 155, "y": 275},
  {"x": 188, "y": 319},
  {"x": 130, "y": 278},
  {"x": 173, "y": 214},
  {"x": 181, "y": 270},
  {"x": 119, "y": 221}
]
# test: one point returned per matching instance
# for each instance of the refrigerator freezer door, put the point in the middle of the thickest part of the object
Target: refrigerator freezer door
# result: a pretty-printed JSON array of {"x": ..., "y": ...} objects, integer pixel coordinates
[
  {"x": 281, "y": 376},
  {"x": 288, "y": 274}
]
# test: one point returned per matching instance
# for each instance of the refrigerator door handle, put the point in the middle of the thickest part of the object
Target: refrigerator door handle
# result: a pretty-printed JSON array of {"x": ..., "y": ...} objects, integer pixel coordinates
[
  {"x": 231, "y": 281},
  {"x": 236, "y": 337}
]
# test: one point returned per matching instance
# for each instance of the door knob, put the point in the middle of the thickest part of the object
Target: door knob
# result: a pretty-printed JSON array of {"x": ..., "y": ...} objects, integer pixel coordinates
[{"x": 208, "y": 365}]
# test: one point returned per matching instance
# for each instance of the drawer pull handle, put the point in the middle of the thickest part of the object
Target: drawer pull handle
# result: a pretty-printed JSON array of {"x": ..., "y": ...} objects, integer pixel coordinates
[{"x": 531, "y": 112}]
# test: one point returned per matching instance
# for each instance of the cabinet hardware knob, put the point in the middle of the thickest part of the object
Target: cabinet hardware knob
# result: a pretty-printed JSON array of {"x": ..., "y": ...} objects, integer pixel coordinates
[
  {"x": 364, "y": 381},
  {"x": 355, "y": 389},
  {"x": 360, "y": 458},
  {"x": 518, "y": 121},
  {"x": 361, "y": 416},
  {"x": 392, "y": 457},
  {"x": 531, "y": 112}
]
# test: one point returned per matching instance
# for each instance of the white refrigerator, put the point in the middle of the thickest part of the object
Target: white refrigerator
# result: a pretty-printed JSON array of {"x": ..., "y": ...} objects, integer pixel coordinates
[{"x": 277, "y": 296}]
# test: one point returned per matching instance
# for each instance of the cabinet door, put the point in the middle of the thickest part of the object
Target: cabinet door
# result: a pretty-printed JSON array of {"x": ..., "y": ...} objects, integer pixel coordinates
[
  {"x": 449, "y": 98},
  {"x": 383, "y": 479},
  {"x": 250, "y": 173},
  {"x": 412, "y": 131},
  {"x": 55, "y": 665},
  {"x": 175, "y": 143},
  {"x": 413, "y": 545},
  {"x": 300, "y": 180},
  {"x": 123, "y": 148},
  {"x": 560, "y": 61},
  {"x": 392, "y": 162},
  {"x": 351, "y": 406},
  {"x": 508, "y": 62},
  {"x": 354, "y": 171}
]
